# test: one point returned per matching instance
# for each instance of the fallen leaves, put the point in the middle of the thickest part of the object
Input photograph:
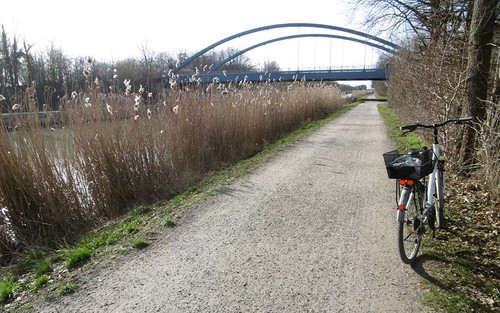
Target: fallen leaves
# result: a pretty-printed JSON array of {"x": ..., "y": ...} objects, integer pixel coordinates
[{"x": 471, "y": 248}]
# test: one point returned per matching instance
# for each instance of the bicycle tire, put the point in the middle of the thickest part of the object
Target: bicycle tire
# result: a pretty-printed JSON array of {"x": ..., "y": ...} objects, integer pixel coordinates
[
  {"x": 409, "y": 229},
  {"x": 439, "y": 194}
]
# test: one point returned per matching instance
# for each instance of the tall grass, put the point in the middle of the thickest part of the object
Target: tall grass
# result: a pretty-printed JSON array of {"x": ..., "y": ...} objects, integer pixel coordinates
[{"x": 111, "y": 151}]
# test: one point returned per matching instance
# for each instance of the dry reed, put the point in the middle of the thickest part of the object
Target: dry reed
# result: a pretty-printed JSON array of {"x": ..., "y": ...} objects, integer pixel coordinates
[{"x": 111, "y": 151}]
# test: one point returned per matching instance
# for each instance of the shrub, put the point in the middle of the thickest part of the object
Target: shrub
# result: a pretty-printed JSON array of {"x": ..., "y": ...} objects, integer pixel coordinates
[{"x": 428, "y": 85}]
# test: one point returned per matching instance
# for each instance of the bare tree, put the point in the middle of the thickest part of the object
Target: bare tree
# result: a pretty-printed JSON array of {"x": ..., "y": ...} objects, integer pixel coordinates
[
  {"x": 11, "y": 58},
  {"x": 29, "y": 62},
  {"x": 383, "y": 62},
  {"x": 148, "y": 57},
  {"x": 271, "y": 66},
  {"x": 424, "y": 19},
  {"x": 242, "y": 62}
]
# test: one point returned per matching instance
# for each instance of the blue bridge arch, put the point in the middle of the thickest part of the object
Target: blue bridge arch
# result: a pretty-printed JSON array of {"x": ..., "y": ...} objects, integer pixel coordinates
[{"x": 361, "y": 74}]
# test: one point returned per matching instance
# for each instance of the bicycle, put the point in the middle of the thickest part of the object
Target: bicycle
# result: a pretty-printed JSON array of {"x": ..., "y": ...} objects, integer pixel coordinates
[{"x": 419, "y": 190}]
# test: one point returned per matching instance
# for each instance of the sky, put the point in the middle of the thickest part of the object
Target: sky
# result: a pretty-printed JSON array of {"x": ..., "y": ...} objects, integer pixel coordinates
[{"x": 110, "y": 30}]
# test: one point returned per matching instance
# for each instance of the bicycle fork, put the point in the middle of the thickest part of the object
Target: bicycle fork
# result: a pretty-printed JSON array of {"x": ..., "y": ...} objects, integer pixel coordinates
[{"x": 405, "y": 201}]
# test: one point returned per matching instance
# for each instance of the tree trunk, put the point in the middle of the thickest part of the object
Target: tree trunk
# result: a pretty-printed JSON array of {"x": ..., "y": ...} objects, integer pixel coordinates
[{"x": 478, "y": 66}]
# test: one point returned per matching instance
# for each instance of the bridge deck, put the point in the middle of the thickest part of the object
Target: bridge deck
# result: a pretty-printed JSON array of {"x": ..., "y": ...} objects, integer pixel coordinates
[{"x": 316, "y": 75}]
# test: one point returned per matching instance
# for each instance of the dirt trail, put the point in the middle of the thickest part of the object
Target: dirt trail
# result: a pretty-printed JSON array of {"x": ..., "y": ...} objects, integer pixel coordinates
[{"x": 313, "y": 230}]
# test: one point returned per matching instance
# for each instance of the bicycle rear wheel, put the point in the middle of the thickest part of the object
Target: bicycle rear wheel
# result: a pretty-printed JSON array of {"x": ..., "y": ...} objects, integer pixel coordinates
[{"x": 409, "y": 227}]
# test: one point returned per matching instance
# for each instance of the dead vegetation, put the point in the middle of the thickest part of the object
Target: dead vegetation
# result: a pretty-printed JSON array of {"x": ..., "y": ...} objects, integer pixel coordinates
[{"x": 111, "y": 151}]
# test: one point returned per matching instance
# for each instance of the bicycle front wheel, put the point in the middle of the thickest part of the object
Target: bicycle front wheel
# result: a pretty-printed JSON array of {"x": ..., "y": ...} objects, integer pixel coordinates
[
  {"x": 439, "y": 194},
  {"x": 409, "y": 227}
]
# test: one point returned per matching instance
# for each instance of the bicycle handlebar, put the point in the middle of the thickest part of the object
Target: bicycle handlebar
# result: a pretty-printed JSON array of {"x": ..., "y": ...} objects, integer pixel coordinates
[
  {"x": 464, "y": 119},
  {"x": 461, "y": 120}
]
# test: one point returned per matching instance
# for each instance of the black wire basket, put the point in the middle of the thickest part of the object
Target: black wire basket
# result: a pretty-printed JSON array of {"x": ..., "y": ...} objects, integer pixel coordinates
[{"x": 413, "y": 165}]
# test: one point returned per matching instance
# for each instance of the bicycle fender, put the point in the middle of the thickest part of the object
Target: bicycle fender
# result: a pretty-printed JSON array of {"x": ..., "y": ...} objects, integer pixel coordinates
[
  {"x": 401, "y": 216},
  {"x": 403, "y": 202}
]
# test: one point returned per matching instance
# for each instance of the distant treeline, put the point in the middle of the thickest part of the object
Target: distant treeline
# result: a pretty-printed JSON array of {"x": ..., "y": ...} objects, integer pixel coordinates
[{"x": 54, "y": 75}]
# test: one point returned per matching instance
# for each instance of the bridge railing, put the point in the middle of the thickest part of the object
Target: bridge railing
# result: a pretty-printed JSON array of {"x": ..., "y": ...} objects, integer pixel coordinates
[
  {"x": 352, "y": 68},
  {"x": 313, "y": 75}
]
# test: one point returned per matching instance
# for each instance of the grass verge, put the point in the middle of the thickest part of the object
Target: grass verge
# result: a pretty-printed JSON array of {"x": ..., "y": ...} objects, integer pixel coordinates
[
  {"x": 140, "y": 243},
  {"x": 403, "y": 143},
  {"x": 53, "y": 272},
  {"x": 462, "y": 265},
  {"x": 7, "y": 286}
]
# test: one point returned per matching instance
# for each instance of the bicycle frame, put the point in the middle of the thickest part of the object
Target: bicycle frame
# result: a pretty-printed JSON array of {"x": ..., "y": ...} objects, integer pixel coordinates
[{"x": 433, "y": 177}]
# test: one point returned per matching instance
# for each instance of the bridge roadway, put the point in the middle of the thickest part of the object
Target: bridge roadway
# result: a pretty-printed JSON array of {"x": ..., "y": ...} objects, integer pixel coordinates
[{"x": 308, "y": 75}]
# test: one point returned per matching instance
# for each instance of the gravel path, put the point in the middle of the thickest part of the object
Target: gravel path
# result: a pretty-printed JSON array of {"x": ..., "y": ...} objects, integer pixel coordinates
[{"x": 313, "y": 230}]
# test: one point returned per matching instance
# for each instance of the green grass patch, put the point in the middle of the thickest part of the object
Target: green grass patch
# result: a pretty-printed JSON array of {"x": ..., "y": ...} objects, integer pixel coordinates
[
  {"x": 122, "y": 250},
  {"x": 79, "y": 256},
  {"x": 40, "y": 281},
  {"x": 33, "y": 260},
  {"x": 184, "y": 195},
  {"x": 139, "y": 211},
  {"x": 93, "y": 244},
  {"x": 35, "y": 264},
  {"x": 67, "y": 288},
  {"x": 169, "y": 223},
  {"x": 140, "y": 243},
  {"x": 465, "y": 279},
  {"x": 449, "y": 301},
  {"x": 7, "y": 286},
  {"x": 381, "y": 98},
  {"x": 130, "y": 228},
  {"x": 43, "y": 266}
]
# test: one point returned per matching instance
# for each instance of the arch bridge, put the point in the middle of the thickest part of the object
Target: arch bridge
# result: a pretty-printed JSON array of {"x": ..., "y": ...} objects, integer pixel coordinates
[{"x": 185, "y": 77}]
